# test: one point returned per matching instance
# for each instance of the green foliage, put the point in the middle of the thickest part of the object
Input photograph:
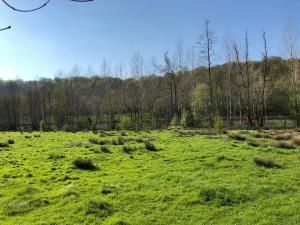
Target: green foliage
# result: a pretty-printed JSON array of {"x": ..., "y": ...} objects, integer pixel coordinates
[
  {"x": 42, "y": 125},
  {"x": 175, "y": 121},
  {"x": 126, "y": 123},
  {"x": 92, "y": 122},
  {"x": 187, "y": 119},
  {"x": 219, "y": 124}
]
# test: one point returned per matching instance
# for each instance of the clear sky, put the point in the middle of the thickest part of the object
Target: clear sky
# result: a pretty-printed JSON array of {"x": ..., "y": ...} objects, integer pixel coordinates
[{"x": 65, "y": 33}]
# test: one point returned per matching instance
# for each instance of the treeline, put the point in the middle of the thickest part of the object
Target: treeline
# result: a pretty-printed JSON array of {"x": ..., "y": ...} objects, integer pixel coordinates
[
  {"x": 241, "y": 92},
  {"x": 177, "y": 98}
]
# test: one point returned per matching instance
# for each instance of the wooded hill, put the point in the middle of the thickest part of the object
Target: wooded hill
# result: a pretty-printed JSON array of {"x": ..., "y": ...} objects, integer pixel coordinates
[{"x": 244, "y": 94}]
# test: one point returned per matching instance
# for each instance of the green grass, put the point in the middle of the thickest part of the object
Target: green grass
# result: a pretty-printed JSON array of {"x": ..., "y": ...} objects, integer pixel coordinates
[{"x": 199, "y": 178}]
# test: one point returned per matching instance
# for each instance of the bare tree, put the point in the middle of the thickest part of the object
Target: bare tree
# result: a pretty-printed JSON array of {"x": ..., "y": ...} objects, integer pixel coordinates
[
  {"x": 206, "y": 42},
  {"x": 265, "y": 72},
  {"x": 229, "y": 71},
  {"x": 291, "y": 49}
]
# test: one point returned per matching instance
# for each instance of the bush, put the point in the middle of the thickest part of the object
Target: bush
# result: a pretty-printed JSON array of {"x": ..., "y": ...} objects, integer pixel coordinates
[
  {"x": 105, "y": 149},
  {"x": 84, "y": 164},
  {"x": 238, "y": 137},
  {"x": 10, "y": 141},
  {"x": 284, "y": 144},
  {"x": 126, "y": 123},
  {"x": 219, "y": 124},
  {"x": 128, "y": 149},
  {"x": 268, "y": 163},
  {"x": 174, "y": 122},
  {"x": 150, "y": 146},
  {"x": 187, "y": 119},
  {"x": 42, "y": 125}
]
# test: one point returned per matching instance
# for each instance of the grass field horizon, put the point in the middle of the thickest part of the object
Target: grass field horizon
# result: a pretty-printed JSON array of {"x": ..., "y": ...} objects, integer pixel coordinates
[{"x": 150, "y": 177}]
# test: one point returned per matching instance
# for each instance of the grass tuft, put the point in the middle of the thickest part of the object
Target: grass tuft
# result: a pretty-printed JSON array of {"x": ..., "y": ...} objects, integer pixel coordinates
[
  {"x": 100, "y": 209},
  {"x": 267, "y": 163},
  {"x": 222, "y": 197},
  {"x": 128, "y": 149},
  {"x": 84, "y": 164},
  {"x": 284, "y": 144},
  {"x": 150, "y": 146},
  {"x": 105, "y": 149},
  {"x": 238, "y": 137}
]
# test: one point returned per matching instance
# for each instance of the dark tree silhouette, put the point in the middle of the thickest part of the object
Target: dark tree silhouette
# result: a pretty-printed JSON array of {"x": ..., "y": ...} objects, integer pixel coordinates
[{"x": 33, "y": 9}]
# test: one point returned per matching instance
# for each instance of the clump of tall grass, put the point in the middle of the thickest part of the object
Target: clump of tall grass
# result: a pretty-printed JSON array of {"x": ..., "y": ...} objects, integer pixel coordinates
[
  {"x": 84, "y": 164},
  {"x": 267, "y": 163},
  {"x": 238, "y": 137},
  {"x": 284, "y": 144},
  {"x": 284, "y": 136},
  {"x": 128, "y": 149},
  {"x": 150, "y": 146},
  {"x": 99, "y": 142},
  {"x": 105, "y": 149},
  {"x": 296, "y": 140},
  {"x": 4, "y": 145}
]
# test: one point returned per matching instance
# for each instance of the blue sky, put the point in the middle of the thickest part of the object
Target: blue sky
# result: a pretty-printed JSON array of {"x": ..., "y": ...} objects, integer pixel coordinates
[{"x": 65, "y": 33}]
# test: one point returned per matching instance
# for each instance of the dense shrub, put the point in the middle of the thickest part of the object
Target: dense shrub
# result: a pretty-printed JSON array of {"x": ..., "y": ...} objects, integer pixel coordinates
[
  {"x": 126, "y": 123},
  {"x": 187, "y": 119},
  {"x": 84, "y": 164},
  {"x": 150, "y": 146},
  {"x": 268, "y": 163}
]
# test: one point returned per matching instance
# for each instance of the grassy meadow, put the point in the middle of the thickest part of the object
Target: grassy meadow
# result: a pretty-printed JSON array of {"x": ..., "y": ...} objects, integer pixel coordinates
[{"x": 180, "y": 177}]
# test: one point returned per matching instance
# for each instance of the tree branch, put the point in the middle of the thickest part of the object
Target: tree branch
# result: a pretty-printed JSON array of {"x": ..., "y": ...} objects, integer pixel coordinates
[
  {"x": 25, "y": 10},
  {"x": 32, "y": 10},
  {"x": 6, "y": 28}
]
